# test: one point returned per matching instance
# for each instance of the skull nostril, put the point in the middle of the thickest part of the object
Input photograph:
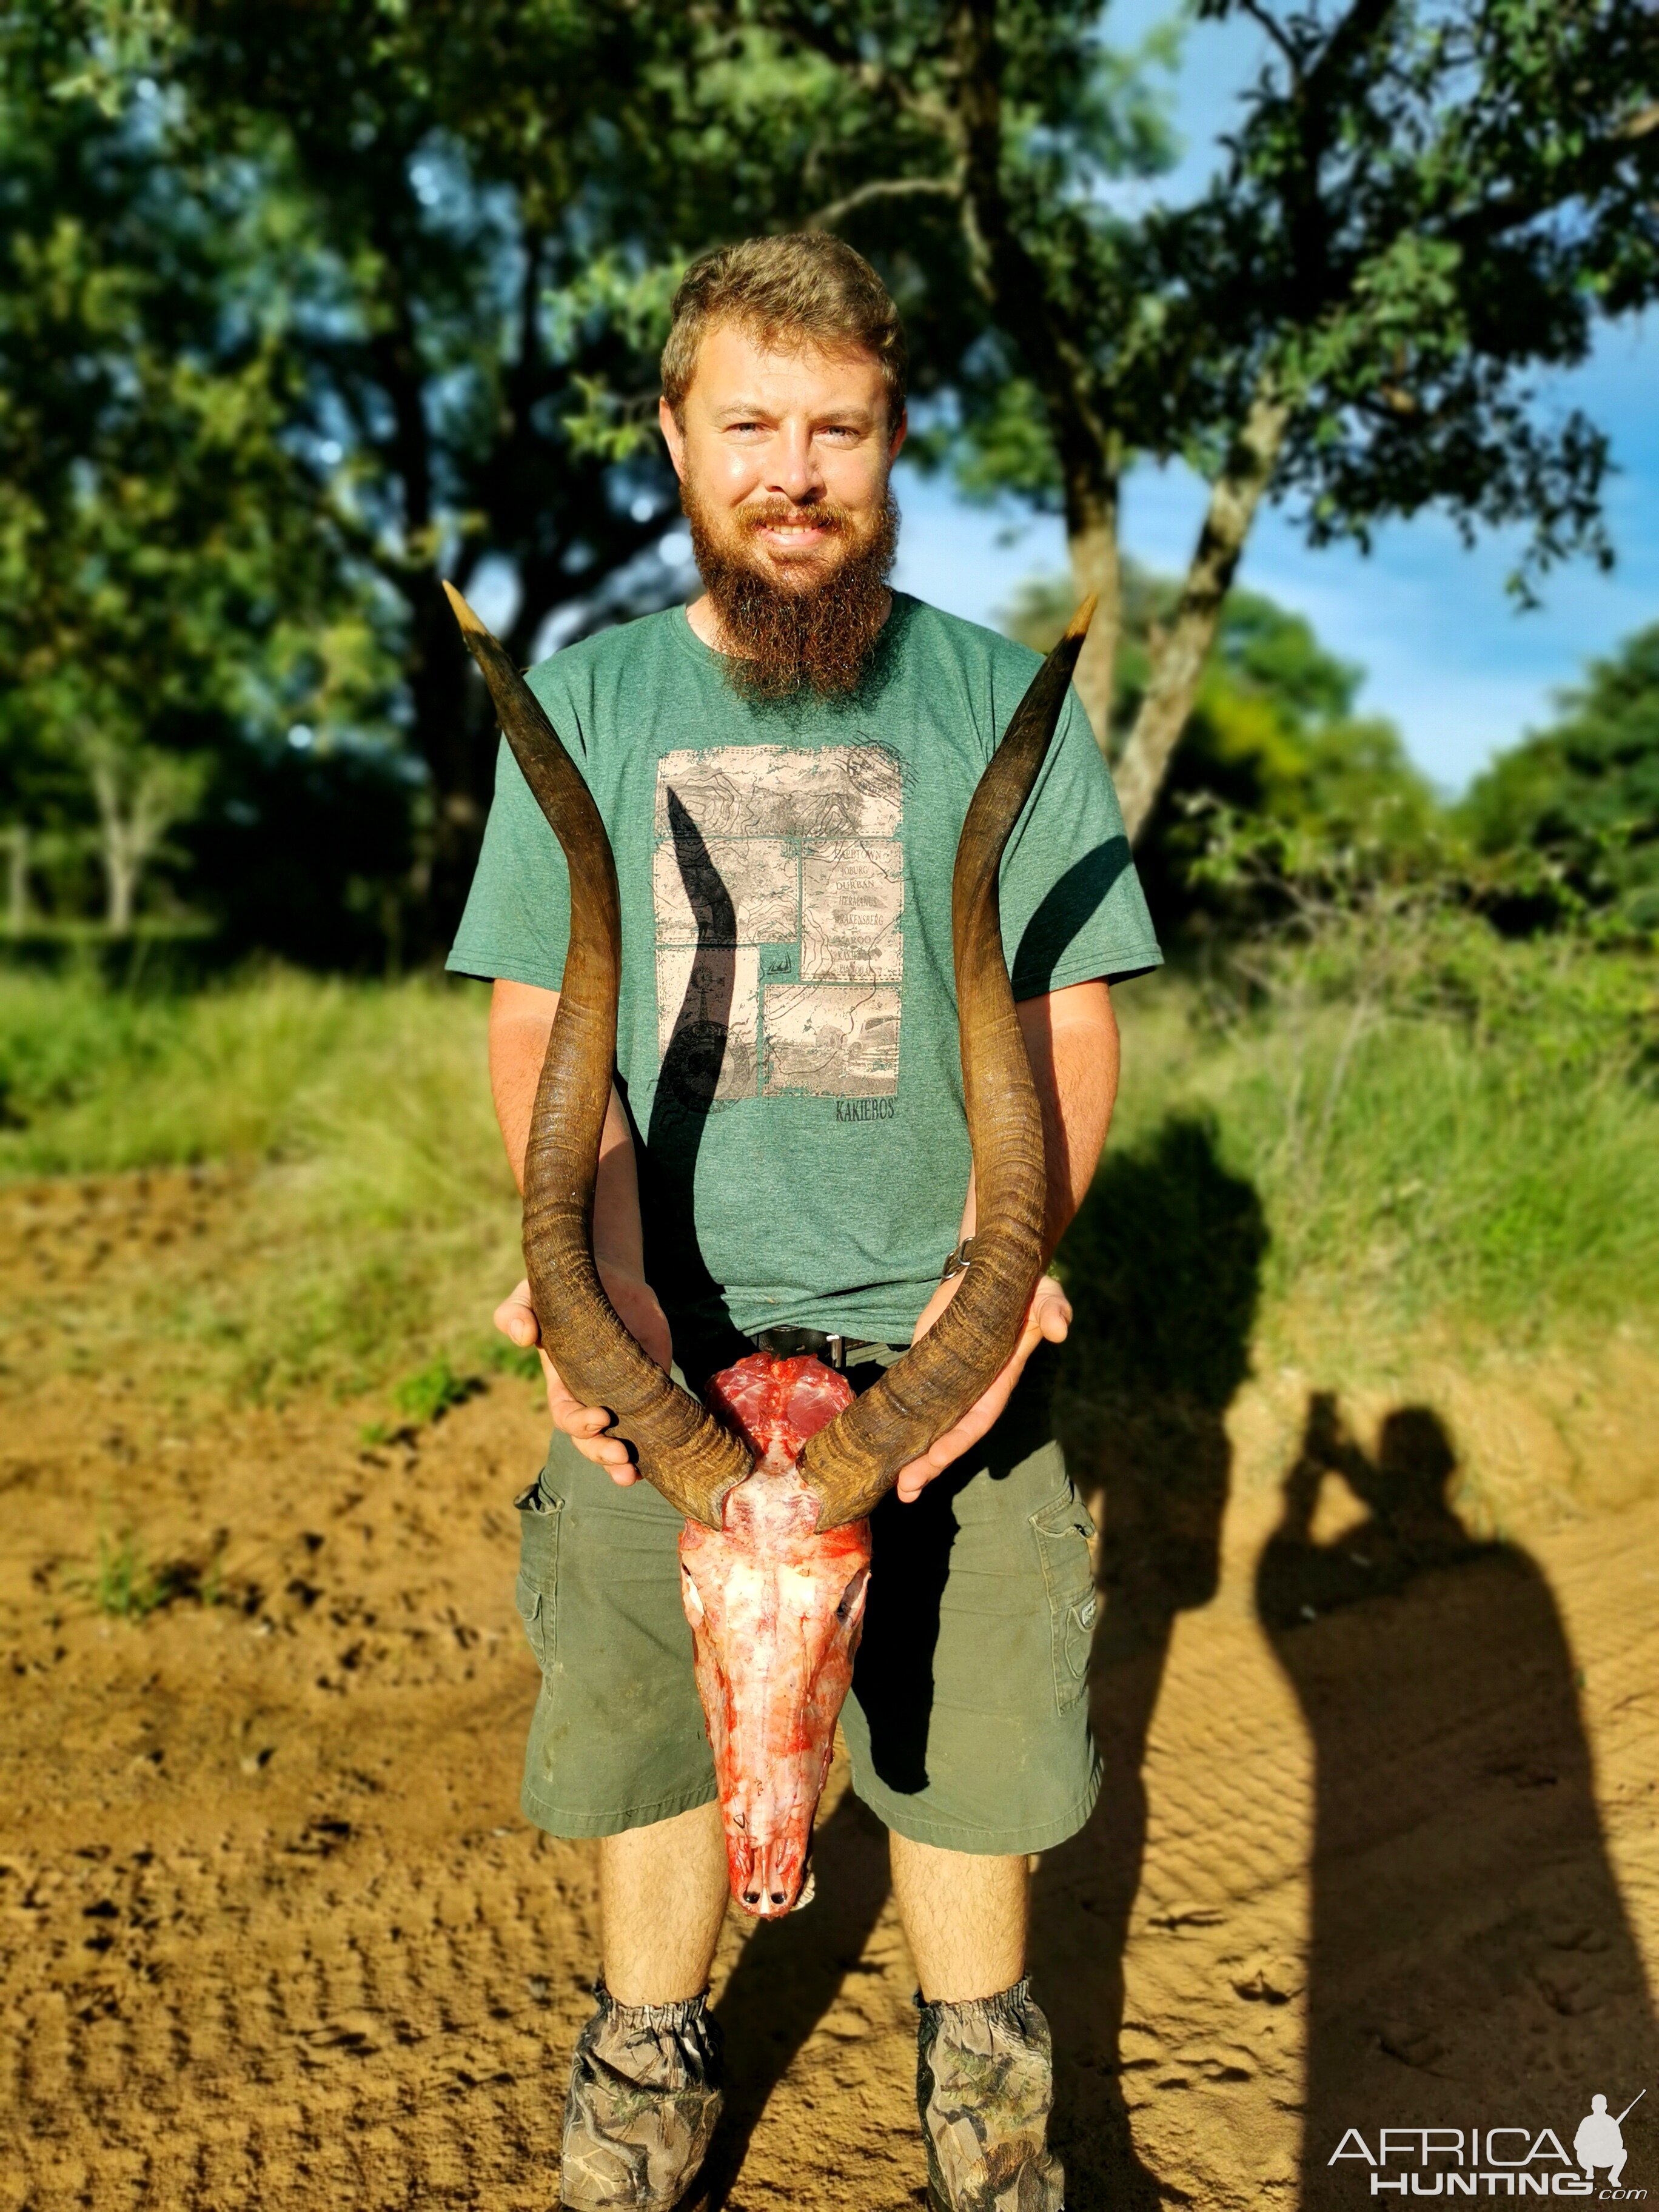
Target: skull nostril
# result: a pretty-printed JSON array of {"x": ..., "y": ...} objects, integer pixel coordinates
[
  {"x": 751, "y": 1897},
  {"x": 777, "y": 1897}
]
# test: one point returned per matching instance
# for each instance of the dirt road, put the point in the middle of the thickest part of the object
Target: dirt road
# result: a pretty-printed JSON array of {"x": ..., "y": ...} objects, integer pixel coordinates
[{"x": 1376, "y": 1846}]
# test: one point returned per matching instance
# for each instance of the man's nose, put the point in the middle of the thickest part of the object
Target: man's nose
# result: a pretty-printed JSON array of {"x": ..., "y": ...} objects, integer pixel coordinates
[{"x": 794, "y": 470}]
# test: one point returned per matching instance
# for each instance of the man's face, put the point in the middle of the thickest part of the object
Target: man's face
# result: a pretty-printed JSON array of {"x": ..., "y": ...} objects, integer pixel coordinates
[{"x": 783, "y": 458}]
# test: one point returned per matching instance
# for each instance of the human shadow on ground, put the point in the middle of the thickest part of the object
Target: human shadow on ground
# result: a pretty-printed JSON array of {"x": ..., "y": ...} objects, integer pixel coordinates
[
  {"x": 1164, "y": 1266},
  {"x": 1470, "y": 1963}
]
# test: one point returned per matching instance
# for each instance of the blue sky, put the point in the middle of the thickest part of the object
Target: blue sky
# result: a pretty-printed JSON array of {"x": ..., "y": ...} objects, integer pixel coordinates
[{"x": 1447, "y": 657}]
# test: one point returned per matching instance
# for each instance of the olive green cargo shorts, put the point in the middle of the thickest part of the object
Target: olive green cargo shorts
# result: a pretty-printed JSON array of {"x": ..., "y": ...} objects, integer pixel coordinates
[{"x": 967, "y": 1721}]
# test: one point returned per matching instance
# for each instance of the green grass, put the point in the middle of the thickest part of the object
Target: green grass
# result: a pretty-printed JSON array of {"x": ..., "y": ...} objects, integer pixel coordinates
[
  {"x": 123, "y": 1584},
  {"x": 1402, "y": 1125},
  {"x": 373, "y": 1225},
  {"x": 1436, "y": 1127}
]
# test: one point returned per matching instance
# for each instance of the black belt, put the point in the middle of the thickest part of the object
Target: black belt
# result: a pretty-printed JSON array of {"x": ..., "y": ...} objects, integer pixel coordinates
[{"x": 808, "y": 1343}]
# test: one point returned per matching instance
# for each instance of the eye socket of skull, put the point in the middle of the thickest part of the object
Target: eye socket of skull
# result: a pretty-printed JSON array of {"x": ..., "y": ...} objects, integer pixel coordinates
[{"x": 852, "y": 1598}]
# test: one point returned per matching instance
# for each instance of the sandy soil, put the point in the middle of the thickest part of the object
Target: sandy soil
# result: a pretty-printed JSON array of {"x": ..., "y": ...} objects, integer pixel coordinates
[{"x": 1376, "y": 1844}]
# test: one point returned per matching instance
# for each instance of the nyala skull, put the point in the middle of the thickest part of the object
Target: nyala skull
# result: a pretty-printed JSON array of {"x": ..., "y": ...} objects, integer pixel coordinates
[{"x": 775, "y": 1610}]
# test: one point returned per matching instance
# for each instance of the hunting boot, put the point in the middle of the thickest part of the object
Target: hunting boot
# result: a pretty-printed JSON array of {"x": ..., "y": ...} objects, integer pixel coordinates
[
  {"x": 644, "y": 2093},
  {"x": 985, "y": 2081}
]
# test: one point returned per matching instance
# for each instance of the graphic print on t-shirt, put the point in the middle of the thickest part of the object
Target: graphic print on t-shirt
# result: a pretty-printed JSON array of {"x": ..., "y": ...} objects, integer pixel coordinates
[{"x": 778, "y": 888}]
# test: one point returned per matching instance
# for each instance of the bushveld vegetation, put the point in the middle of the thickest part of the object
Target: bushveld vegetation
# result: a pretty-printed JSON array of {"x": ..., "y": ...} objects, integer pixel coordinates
[
  {"x": 294, "y": 323},
  {"x": 1431, "y": 1129}
]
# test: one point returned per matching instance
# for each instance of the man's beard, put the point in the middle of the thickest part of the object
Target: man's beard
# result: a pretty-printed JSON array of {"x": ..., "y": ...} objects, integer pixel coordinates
[{"x": 808, "y": 623}]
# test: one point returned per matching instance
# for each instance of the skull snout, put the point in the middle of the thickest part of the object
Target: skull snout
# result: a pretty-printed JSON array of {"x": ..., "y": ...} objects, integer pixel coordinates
[{"x": 766, "y": 1872}]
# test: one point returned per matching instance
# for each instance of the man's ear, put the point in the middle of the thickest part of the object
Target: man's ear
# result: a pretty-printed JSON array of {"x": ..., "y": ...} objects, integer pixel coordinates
[
  {"x": 900, "y": 431},
  {"x": 673, "y": 437}
]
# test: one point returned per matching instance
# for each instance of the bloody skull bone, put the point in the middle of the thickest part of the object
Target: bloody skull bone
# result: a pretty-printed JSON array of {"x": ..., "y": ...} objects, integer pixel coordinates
[
  {"x": 775, "y": 1611},
  {"x": 777, "y": 1475}
]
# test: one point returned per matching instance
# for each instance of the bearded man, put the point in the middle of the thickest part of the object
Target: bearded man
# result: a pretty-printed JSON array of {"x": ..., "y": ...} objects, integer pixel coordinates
[{"x": 783, "y": 769}]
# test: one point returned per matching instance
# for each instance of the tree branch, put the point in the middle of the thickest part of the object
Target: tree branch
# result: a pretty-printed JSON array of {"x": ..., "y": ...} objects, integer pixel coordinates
[
  {"x": 883, "y": 188},
  {"x": 1596, "y": 166},
  {"x": 1179, "y": 660},
  {"x": 1275, "y": 30}
]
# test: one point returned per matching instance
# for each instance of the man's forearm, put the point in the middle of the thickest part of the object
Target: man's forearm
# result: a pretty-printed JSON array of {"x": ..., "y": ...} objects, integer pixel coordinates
[
  {"x": 520, "y": 1019},
  {"x": 1071, "y": 1043}
]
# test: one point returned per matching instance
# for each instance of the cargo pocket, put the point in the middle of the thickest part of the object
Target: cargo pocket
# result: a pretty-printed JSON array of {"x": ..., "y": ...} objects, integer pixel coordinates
[
  {"x": 536, "y": 1591},
  {"x": 1063, "y": 1529}
]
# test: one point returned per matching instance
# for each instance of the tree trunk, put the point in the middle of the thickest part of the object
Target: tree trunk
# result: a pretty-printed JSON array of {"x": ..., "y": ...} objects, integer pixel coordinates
[
  {"x": 1179, "y": 660},
  {"x": 119, "y": 848},
  {"x": 139, "y": 797},
  {"x": 1091, "y": 539},
  {"x": 16, "y": 840}
]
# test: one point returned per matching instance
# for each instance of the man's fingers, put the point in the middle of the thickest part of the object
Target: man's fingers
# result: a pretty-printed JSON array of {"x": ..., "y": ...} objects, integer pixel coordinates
[
  {"x": 515, "y": 1317},
  {"x": 1048, "y": 1318},
  {"x": 586, "y": 1425},
  {"x": 940, "y": 1455}
]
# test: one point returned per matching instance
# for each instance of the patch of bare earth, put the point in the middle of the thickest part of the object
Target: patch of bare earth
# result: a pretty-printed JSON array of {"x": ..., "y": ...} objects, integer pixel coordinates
[{"x": 1376, "y": 1688}]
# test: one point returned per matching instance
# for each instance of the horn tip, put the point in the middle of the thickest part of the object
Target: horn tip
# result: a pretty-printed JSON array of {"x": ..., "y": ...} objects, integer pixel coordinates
[
  {"x": 471, "y": 626},
  {"x": 1077, "y": 627}
]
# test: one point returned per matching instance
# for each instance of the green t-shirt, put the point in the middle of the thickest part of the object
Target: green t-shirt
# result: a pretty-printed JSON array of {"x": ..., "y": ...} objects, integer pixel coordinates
[{"x": 786, "y": 1039}]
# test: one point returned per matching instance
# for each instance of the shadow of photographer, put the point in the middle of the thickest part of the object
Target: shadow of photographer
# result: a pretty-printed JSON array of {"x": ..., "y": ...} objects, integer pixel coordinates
[
  {"x": 1164, "y": 1267},
  {"x": 1469, "y": 1963}
]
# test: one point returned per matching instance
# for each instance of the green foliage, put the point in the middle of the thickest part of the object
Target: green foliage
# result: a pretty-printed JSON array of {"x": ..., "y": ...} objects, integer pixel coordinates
[
  {"x": 428, "y": 1395},
  {"x": 1164, "y": 1266},
  {"x": 1444, "y": 1128},
  {"x": 1382, "y": 1115},
  {"x": 163, "y": 596},
  {"x": 1420, "y": 206},
  {"x": 304, "y": 311},
  {"x": 1582, "y": 797},
  {"x": 304, "y": 308},
  {"x": 509, "y": 1359},
  {"x": 1271, "y": 737},
  {"x": 124, "y": 1584}
]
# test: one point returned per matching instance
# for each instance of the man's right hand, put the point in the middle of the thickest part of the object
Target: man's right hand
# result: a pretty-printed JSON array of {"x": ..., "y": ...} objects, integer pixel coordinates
[{"x": 636, "y": 1306}]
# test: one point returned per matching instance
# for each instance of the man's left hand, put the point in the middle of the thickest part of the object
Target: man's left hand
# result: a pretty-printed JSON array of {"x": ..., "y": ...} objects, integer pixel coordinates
[{"x": 1048, "y": 1318}]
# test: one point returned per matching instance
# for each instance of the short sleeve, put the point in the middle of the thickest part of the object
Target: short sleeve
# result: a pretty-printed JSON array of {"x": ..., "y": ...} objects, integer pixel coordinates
[
  {"x": 517, "y": 920},
  {"x": 1072, "y": 908}
]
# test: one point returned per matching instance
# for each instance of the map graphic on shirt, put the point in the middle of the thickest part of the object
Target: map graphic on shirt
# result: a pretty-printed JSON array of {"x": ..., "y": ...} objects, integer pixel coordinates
[{"x": 778, "y": 896}]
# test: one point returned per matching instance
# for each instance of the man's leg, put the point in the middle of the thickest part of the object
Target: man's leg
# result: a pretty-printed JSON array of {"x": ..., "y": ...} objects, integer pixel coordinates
[
  {"x": 662, "y": 1900},
  {"x": 618, "y": 1749},
  {"x": 984, "y": 2062},
  {"x": 964, "y": 1919},
  {"x": 645, "y": 2083},
  {"x": 967, "y": 1728}
]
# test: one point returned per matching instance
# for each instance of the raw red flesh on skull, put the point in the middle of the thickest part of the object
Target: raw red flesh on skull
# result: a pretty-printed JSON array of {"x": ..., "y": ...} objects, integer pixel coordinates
[{"x": 775, "y": 1611}]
